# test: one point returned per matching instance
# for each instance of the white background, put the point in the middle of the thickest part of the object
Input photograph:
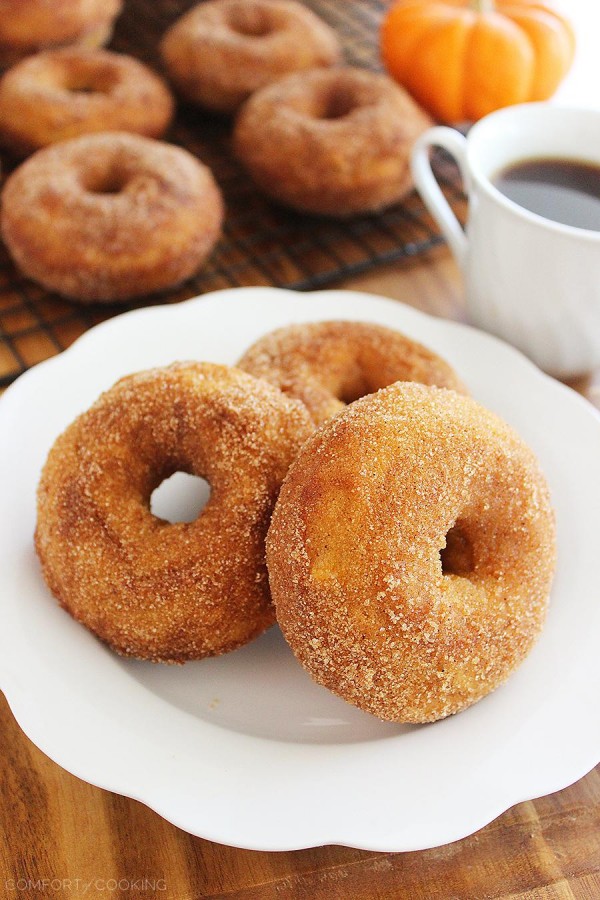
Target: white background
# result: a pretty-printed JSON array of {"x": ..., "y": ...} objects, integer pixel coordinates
[{"x": 582, "y": 85}]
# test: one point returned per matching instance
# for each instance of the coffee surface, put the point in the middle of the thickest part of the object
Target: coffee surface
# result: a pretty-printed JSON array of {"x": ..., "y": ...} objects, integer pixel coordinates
[{"x": 564, "y": 190}]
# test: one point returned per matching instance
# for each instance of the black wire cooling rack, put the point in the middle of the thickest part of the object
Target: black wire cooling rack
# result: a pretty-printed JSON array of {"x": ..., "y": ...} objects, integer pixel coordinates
[{"x": 262, "y": 243}]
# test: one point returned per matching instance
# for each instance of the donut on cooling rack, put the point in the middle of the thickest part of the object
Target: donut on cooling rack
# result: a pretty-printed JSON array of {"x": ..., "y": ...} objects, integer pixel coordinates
[
  {"x": 151, "y": 589},
  {"x": 27, "y": 26},
  {"x": 223, "y": 50},
  {"x": 334, "y": 142},
  {"x": 330, "y": 364},
  {"x": 411, "y": 553},
  {"x": 61, "y": 94},
  {"x": 107, "y": 217}
]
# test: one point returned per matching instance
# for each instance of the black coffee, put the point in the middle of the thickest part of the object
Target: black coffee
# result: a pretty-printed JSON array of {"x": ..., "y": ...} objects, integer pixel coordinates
[{"x": 560, "y": 189}]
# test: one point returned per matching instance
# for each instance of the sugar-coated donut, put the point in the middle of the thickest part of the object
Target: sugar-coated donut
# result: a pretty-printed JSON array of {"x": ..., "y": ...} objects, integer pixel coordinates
[
  {"x": 221, "y": 51},
  {"x": 330, "y": 364},
  {"x": 411, "y": 553},
  {"x": 60, "y": 94},
  {"x": 106, "y": 217},
  {"x": 334, "y": 142},
  {"x": 149, "y": 588},
  {"x": 27, "y": 26}
]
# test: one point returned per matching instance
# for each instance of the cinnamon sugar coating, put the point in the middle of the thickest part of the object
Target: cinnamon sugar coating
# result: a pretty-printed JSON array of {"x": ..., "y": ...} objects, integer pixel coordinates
[
  {"x": 106, "y": 217},
  {"x": 60, "y": 94},
  {"x": 151, "y": 589},
  {"x": 28, "y": 26},
  {"x": 221, "y": 51},
  {"x": 411, "y": 553},
  {"x": 334, "y": 142},
  {"x": 330, "y": 364}
]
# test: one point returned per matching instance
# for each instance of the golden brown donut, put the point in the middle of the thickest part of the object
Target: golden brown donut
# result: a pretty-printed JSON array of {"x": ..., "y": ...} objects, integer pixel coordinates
[
  {"x": 335, "y": 142},
  {"x": 152, "y": 589},
  {"x": 330, "y": 364},
  {"x": 60, "y": 94},
  {"x": 411, "y": 553},
  {"x": 223, "y": 50},
  {"x": 27, "y": 26},
  {"x": 106, "y": 217}
]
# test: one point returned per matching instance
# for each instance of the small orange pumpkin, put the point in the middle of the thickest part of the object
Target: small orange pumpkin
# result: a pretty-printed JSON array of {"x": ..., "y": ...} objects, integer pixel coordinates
[{"x": 462, "y": 59}]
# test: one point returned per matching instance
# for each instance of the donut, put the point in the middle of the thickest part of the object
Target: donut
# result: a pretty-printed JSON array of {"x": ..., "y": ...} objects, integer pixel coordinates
[
  {"x": 330, "y": 364},
  {"x": 27, "y": 26},
  {"x": 107, "y": 217},
  {"x": 148, "y": 588},
  {"x": 222, "y": 51},
  {"x": 334, "y": 142},
  {"x": 61, "y": 94},
  {"x": 411, "y": 553}
]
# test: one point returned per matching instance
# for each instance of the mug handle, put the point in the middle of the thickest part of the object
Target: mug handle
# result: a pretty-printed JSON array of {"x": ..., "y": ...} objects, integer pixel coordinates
[{"x": 427, "y": 185}]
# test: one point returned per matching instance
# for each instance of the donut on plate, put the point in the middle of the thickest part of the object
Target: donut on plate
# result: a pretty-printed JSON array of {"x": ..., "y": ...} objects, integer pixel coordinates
[
  {"x": 151, "y": 589},
  {"x": 335, "y": 142},
  {"x": 60, "y": 94},
  {"x": 221, "y": 51},
  {"x": 330, "y": 364},
  {"x": 411, "y": 553},
  {"x": 106, "y": 217},
  {"x": 27, "y": 26}
]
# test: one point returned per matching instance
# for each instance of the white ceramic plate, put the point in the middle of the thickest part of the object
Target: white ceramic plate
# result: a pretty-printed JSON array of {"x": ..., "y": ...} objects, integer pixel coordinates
[{"x": 245, "y": 749}]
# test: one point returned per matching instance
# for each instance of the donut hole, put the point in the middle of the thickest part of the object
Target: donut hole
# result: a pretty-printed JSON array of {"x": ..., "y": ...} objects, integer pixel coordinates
[
  {"x": 353, "y": 383},
  {"x": 250, "y": 21},
  {"x": 352, "y": 391},
  {"x": 327, "y": 101},
  {"x": 180, "y": 498},
  {"x": 458, "y": 557},
  {"x": 88, "y": 82},
  {"x": 82, "y": 89},
  {"x": 338, "y": 102},
  {"x": 111, "y": 180}
]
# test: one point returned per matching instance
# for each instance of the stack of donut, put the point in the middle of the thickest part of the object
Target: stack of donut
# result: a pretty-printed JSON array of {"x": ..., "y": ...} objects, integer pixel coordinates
[
  {"x": 314, "y": 135},
  {"x": 405, "y": 545}
]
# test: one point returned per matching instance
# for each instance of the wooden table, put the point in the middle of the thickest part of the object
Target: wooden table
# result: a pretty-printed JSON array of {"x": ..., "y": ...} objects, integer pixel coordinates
[{"x": 63, "y": 838}]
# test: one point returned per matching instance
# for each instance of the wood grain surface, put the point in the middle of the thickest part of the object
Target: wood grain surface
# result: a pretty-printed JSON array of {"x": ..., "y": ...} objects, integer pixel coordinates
[{"x": 61, "y": 837}]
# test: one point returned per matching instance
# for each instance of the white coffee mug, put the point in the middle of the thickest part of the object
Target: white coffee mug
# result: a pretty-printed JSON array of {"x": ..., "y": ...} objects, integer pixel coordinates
[{"x": 530, "y": 280}]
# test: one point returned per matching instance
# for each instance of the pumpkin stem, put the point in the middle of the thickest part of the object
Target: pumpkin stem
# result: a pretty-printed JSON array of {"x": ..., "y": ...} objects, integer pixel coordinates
[{"x": 483, "y": 6}]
